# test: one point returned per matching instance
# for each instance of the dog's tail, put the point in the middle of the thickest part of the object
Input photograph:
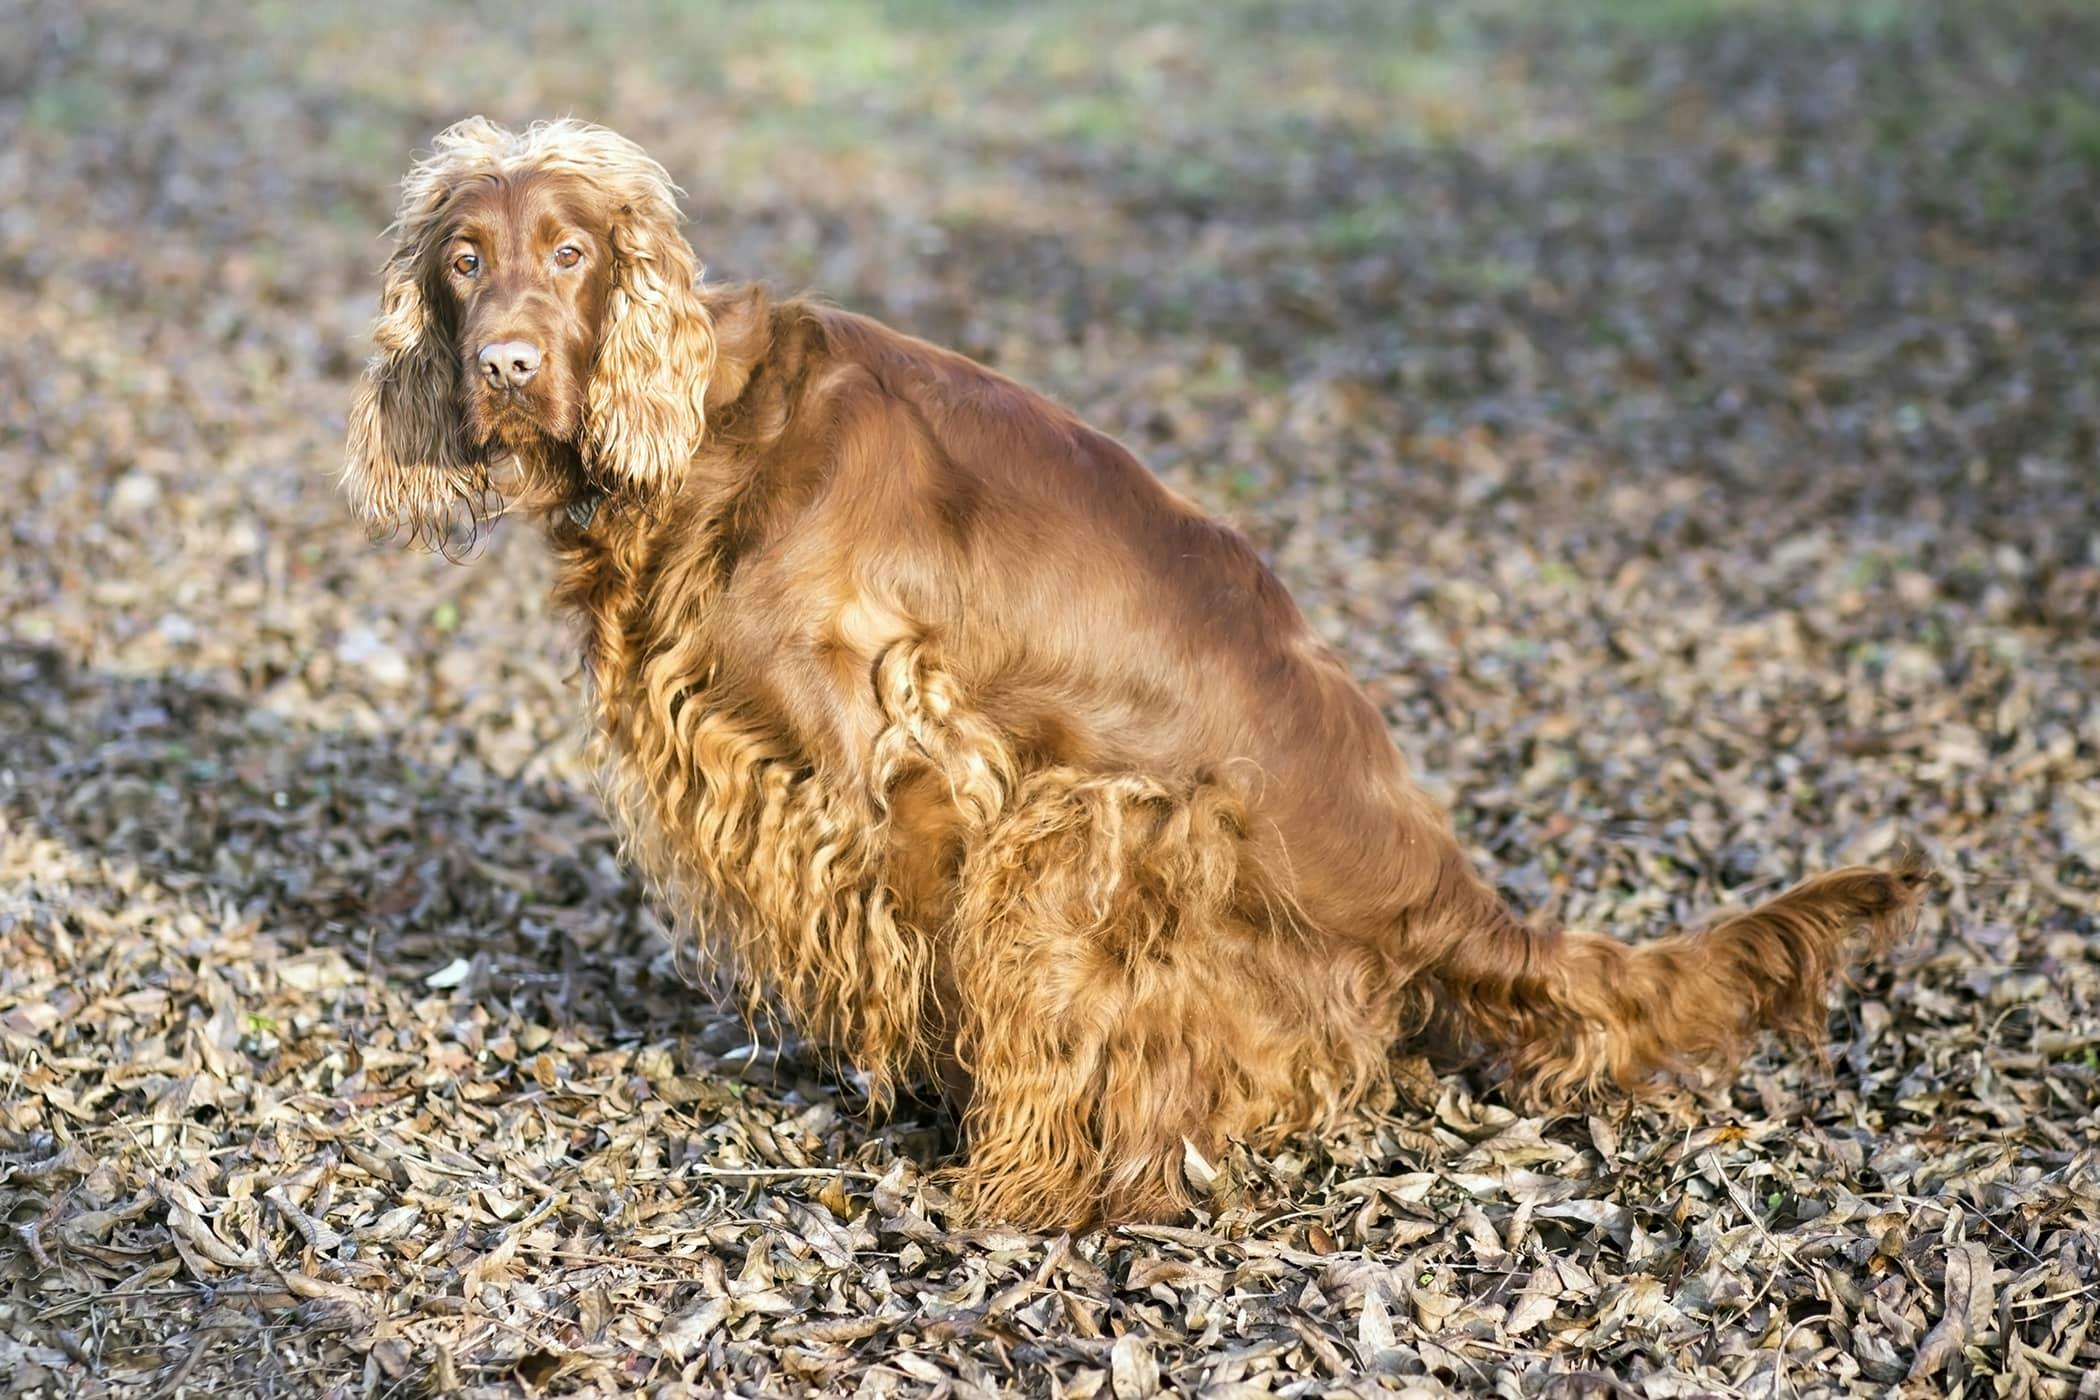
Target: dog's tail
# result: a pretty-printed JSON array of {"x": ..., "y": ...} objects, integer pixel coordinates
[{"x": 1565, "y": 1011}]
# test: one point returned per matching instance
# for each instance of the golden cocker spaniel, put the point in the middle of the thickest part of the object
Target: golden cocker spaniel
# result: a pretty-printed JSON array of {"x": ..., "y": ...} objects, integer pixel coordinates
[{"x": 969, "y": 745}]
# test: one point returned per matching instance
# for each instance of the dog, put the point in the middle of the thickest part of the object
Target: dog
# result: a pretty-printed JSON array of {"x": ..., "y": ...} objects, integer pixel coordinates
[{"x": 969, "y": 746}]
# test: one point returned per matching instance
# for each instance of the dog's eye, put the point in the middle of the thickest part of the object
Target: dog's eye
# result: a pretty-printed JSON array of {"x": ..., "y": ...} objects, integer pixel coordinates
[
  {"x": 466, "y": 264},
  {"x": 567, "y": 255}
]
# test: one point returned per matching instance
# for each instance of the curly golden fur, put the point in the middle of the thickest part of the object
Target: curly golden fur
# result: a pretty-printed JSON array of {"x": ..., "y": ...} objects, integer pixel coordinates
[{"x": 967, "y": 744}]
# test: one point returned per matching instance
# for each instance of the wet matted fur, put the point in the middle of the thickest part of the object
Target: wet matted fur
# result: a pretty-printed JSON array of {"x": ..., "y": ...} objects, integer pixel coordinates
[{"x": 962, "y": 740}]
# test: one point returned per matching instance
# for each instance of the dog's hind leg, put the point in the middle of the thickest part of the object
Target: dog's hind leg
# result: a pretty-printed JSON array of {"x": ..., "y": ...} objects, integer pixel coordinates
[{"x": 1117, "y": 1006}]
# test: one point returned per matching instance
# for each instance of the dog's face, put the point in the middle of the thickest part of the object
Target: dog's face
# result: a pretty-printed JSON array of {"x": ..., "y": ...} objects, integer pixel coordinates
[
  {"x": 541, "y": 305},
  {"x": 525, "y": 270}
]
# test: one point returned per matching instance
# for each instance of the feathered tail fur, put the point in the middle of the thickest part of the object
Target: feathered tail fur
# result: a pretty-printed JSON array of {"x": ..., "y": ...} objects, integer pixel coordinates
[{"x": 1567, "y": 1011}]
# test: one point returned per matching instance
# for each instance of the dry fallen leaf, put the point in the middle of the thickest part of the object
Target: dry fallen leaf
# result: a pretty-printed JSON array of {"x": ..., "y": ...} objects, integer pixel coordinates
[{"x": 1133, "y": 1374}]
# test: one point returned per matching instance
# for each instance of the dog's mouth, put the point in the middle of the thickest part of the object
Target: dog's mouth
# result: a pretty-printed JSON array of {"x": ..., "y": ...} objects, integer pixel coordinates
[
  {"x": 509, "y": 409},
  {"x": 505, "y": 419}
]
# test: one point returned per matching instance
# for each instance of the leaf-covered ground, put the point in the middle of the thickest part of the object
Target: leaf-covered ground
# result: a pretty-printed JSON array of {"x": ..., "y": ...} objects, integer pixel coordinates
[{"x": 1682, "y": 412}]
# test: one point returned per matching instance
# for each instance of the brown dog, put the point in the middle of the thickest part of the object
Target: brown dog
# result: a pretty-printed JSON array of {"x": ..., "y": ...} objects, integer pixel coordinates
[{"x": 972, "y": 747}]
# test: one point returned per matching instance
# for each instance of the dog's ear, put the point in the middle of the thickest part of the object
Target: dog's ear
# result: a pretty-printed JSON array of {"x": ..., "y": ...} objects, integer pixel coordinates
[
  {"x": 645, "y": 409},
  {"x": 407, "y": 440},
  {"x": 408, "y": 445}
]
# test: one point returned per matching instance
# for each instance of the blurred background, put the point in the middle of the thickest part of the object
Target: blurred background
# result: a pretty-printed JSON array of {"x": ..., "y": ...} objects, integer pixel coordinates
[{"x": 1682, "y": 414}]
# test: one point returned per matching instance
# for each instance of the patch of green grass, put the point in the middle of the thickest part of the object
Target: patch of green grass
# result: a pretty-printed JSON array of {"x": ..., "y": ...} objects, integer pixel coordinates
[
  {"x": 1195, "y": 178},
  {"x": 1787, "y": 206},
  {"x": 1414, "y": 71},
  {"x": 1093, "y": 117},
  {"x": 1222, "y": 375},
  {"x": 1484, "y": 276},
  {"x": 1874, "y": 568},
  {"x": 2076, "y": 118},
  {"x": 1244, "y": 484},
  {"x": 2029, "y": 130},
  {"x": 1680, "y": 18},
  {"x": 66, "y": 104},
  {"x": 1363, "y": 228},
  {"x": 363, "y": 144},
  {"x": 1617, "y": 104}
]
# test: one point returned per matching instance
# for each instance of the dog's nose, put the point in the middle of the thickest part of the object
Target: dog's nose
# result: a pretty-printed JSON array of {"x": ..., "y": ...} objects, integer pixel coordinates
[{"x": 509, "y": 364}]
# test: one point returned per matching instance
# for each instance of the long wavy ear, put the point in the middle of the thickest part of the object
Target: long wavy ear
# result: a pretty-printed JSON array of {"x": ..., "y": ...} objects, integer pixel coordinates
[
  {"x": 409, "y": 460},
  {"x": 645, "y": 410},
  {"x": 407, "y": 444}
]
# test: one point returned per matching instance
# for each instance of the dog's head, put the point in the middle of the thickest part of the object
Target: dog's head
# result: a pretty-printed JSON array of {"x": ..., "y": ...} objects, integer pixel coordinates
[{"x": 539, "y": 292}]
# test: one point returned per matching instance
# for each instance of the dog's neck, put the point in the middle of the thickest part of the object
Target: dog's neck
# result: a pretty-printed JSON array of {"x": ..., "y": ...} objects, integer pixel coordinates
[
  {"x": 603, "y": 537},
  {"x": 548, "y": 480}
]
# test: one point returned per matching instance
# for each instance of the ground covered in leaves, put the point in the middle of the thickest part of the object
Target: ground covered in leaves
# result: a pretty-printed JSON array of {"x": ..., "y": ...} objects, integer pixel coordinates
[{"x": 1682, "y": 413}]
